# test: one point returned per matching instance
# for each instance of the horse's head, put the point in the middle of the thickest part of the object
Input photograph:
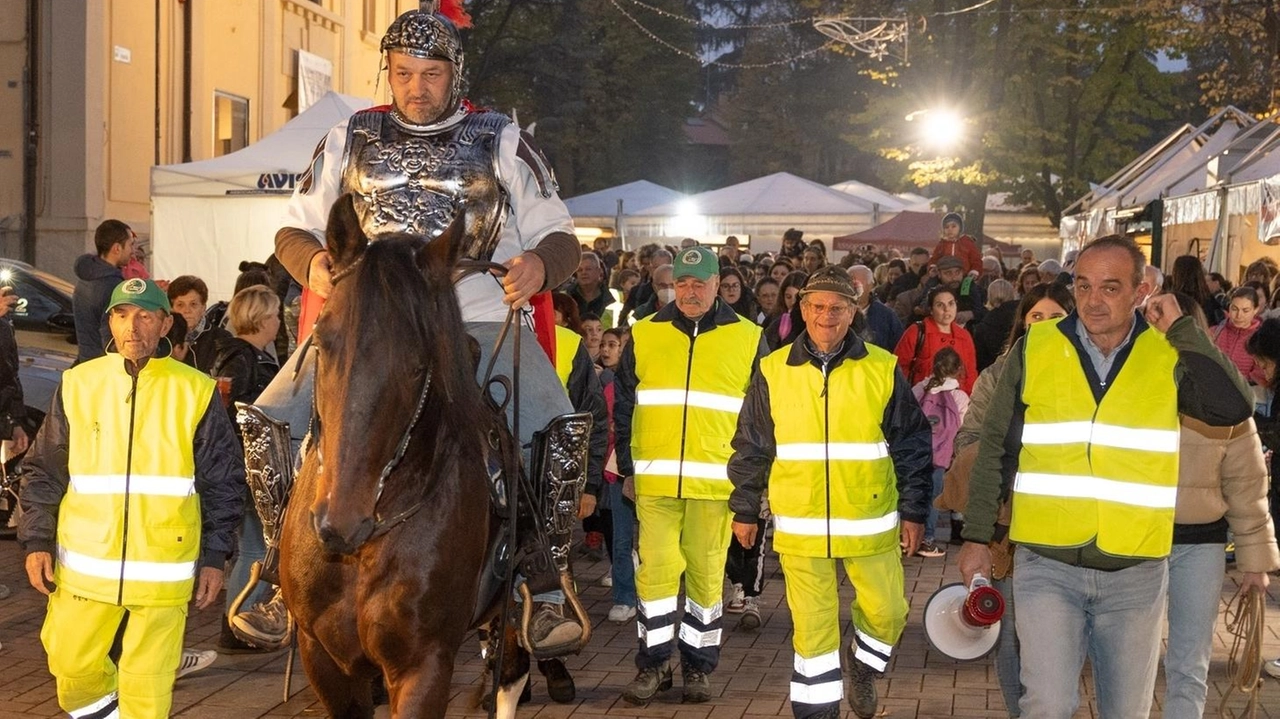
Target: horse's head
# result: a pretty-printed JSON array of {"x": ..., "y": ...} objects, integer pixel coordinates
[{"x": 390, "y": 347}]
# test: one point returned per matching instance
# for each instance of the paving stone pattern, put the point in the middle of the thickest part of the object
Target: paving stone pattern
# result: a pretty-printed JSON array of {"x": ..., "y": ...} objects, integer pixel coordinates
[{"x": 751, "y": 683}]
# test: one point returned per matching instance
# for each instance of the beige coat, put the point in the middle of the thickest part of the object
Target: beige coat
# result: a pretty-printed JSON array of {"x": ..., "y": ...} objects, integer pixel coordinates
[{"x": 1222, "y": 472}]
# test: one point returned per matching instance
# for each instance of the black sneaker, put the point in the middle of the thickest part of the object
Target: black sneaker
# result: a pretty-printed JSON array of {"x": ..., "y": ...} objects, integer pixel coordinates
[
  {"x": 863, "y": 699},
  {"x": 560, "y": 685},
  {"x": 647, "y": 683},
  {"x": 930, "y": 548},
  {"x": 697, "y": 686}
]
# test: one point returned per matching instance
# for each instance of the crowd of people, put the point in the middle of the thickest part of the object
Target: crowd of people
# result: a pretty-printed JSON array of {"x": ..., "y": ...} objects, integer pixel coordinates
[{"x": 1095, "y": 432}]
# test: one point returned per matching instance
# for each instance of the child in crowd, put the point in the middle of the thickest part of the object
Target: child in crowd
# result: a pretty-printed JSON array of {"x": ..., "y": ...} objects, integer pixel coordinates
[
  {"x": 944, "y": 404},
  {"x": 623, "y": 572}
]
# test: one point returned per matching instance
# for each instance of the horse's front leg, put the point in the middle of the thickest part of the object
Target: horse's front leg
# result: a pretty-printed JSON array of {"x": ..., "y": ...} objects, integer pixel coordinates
[
  {"x": 344, "y": 697},
  {"x": 423, "y": 690}
]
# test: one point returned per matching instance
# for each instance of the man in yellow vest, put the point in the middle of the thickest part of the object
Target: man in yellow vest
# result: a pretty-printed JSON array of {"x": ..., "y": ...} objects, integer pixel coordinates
[
  {"x": 831, "y": 430},
  {"x": 1083, "y": 429},
  {"x": 132, "y": 500},
  {"x": 679, "y": 389}
]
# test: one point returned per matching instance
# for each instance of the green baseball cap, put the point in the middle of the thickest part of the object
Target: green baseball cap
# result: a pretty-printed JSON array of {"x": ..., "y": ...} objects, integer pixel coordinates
[
  {"x": 698, "y": 262},
  {"x": 142, "y": 293}
]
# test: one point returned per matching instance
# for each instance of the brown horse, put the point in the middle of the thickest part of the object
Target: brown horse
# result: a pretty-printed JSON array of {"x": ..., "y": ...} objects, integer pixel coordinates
[{"x": 384, "y": 541}]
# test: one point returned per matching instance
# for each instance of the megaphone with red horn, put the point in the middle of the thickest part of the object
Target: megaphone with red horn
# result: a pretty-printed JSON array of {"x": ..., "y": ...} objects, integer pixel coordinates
[{"x": 964, "y": 624}]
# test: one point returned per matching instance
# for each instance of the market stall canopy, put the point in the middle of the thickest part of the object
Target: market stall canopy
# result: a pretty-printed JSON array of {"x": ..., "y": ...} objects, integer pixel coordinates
[
  {"x": 908, "y": 230},
  {"x": 888, "y": 202},
  {"x": 269, "y": 166},
  {"x": 778, "y": 194},
  {"x": 635, "y": 196}
]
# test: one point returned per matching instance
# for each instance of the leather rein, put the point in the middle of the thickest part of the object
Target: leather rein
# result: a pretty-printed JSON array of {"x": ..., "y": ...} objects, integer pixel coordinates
[{"x": 382, "y": 525}]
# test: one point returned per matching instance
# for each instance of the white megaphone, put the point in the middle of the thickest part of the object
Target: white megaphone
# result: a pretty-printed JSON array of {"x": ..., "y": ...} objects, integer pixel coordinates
[{"x": 964, "y": 624}]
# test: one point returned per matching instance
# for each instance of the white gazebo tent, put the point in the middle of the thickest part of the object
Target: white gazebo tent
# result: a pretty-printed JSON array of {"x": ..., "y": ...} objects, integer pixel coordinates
[
  {"x": 762, "y": 208},
  {"x": 609, "y": 208},
  {"x": 209, "y": 215}
]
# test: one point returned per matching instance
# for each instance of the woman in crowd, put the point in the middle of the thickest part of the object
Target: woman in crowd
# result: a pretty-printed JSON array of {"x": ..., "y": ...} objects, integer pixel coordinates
[
  {"x": 1264, "y": 345},
  {"x": 1028, "y": 277},
  {"x": 1188, "y": 278},
  {"x": 1043, "y": 302},
  {"x": 780, "y": 269},
  {"x": 789, "y": 322},
  {"x": 1222, "y": 484},
  {"x": 767, "y": 296},
  {"x": 244, "y": 358},
  {"x": 1232, "y": 334},
  {"x": 734, "y": 292},
  {"x": 924, "y": 338},
  {"x": 566, "y": 310},
  {"x": 991, "y": 333}
]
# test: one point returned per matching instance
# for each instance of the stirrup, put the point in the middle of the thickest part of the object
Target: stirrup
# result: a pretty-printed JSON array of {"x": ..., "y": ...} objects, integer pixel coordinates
[
  {"x": 269, "y": 472},
  {"x": 576, "y": 612}
]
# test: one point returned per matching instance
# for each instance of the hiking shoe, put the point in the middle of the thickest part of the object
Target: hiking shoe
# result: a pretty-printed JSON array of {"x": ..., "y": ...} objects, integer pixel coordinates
[
  {"x": 229, "y": 643},
  {"x": 559, "y": 684},
  {"x": 697, "y": 686},
  {"x": 264, "y": 625},
  {"x": 549, "y": 628},
  {"x": 193, "y": 660},
  {"x": 930, "y": 548},
  {"x": 750, "y": 620},
  {"x": 1272, "y": 668},
  {"x": 863, "y": 700},
  {"x": 647, "y": 683},
  {"x": 622, "y": 613},
  {"x": 735, "y": 603}
]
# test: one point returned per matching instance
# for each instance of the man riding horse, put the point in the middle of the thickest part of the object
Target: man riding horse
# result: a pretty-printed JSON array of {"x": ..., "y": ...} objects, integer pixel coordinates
[{"x": 411, "y": 167}]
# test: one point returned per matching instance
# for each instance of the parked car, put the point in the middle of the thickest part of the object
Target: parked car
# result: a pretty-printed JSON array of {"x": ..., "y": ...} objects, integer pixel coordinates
[{"x": 45, "y": 329}]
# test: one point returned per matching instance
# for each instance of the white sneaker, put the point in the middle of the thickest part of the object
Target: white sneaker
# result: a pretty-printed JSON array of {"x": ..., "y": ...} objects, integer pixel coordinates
[
  {"x": 736, "y": 601},
  {"x": 1272, "y": 668},
  {"x": 607, "y": 580},
  {"x": 621, "y": 613},
  {"x": 193, "y": 660}
]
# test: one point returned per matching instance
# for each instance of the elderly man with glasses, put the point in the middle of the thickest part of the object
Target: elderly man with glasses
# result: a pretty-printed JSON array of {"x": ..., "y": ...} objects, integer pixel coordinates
[{"x": 845, "y": 455}]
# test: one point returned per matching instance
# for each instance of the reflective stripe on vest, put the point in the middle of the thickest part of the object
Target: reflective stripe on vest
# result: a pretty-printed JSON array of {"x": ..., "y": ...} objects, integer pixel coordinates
[
  {"x": 687, "y": 404},
  {"x": 146, "y": 478},
  {"x": 567, "y": 342},
  {"x": 1090, "y": 472},
  {"x": 832, "y": 489}
]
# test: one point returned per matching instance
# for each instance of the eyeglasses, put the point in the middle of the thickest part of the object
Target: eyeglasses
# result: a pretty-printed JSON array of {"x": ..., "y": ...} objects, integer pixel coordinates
[{"x": 834, "y": 310}]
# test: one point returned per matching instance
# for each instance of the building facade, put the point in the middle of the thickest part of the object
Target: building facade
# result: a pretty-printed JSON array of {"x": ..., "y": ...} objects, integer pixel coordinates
[{"x": 118, "y": 86}]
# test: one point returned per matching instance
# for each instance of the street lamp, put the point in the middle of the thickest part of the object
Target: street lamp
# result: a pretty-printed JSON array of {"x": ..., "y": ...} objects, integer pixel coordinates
[{"x": 941, "y": 129}]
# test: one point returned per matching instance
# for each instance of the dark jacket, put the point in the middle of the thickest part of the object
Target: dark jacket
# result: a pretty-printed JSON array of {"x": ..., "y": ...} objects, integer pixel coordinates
[
  {"x": 13, "y": 409},
  {"x": 883, "y": 324},
  {"x": 204, "y": 348},
  {"x": 219, "y": 480},
  {"x": 905, "y": 429},
  {"x": 990, "y": 334},
  {"x": 626, "y": 381},
  {"x": 1209, "y": 388},
  {"x": 95, "y": 279},
  {"x": 249, "y": 368},
  {"x": 587, "y": 395}
]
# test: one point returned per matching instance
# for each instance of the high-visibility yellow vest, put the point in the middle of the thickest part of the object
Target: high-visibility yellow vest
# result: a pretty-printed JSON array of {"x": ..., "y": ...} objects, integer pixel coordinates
[
  {"x": 567, "y": 342},
  {"x": 833, "y": 489},
  {"x": 129, "y": 524},
  {"x": 1106, "y": 472},
  {"x": 687, "y": 404}
]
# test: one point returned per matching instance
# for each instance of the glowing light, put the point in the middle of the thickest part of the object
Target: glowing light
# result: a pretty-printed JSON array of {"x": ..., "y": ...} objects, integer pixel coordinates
[
  {"x": 940, "y": 129},
  {"x": 687, "y": 222}
]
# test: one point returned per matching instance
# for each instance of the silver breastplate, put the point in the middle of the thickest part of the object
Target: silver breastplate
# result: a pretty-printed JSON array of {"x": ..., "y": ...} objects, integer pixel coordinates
[{"x": 414, "y": 183}]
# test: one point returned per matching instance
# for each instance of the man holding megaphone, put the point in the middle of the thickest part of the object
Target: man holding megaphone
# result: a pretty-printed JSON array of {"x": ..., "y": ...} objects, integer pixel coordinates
[
  {"x": 1083, "y": 429},
  {"x": 830, "y": 428}
]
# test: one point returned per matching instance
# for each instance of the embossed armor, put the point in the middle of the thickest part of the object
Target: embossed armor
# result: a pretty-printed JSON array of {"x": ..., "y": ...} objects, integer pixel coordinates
[{"x": 413, "y": 179}]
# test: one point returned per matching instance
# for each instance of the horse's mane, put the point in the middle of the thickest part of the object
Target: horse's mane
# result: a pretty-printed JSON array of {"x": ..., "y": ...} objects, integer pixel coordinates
[{"x": 396, "y": 298}]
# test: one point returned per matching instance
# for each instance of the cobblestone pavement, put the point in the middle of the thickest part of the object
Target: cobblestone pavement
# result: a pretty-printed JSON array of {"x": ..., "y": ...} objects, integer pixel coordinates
[{"x": 751, "y": 683}]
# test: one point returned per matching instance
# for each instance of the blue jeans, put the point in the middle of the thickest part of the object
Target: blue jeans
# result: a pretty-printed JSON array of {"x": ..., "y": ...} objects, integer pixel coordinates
[
  {"x": 1008, "y": 666},
  {"x": 252, "y": 549},
  {"x": 624, "y": 541},
  {"x": 931, "y": 523},
  {"x": 1066, "y": 612},
  {"x": 1195, "y": 583}
]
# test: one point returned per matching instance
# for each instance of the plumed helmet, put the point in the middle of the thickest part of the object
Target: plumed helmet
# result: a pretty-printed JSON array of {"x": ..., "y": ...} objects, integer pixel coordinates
[{"x": 431, "y": 33}]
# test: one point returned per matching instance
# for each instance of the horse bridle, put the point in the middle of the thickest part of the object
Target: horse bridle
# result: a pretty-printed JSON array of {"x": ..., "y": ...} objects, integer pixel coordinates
[{"x": 383, "y": 525}]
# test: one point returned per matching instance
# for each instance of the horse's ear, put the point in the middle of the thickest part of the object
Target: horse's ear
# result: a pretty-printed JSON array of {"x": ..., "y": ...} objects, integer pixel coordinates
[
  {"x": 343, "y": 238},
  {"x": 443, "y": 251}
]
